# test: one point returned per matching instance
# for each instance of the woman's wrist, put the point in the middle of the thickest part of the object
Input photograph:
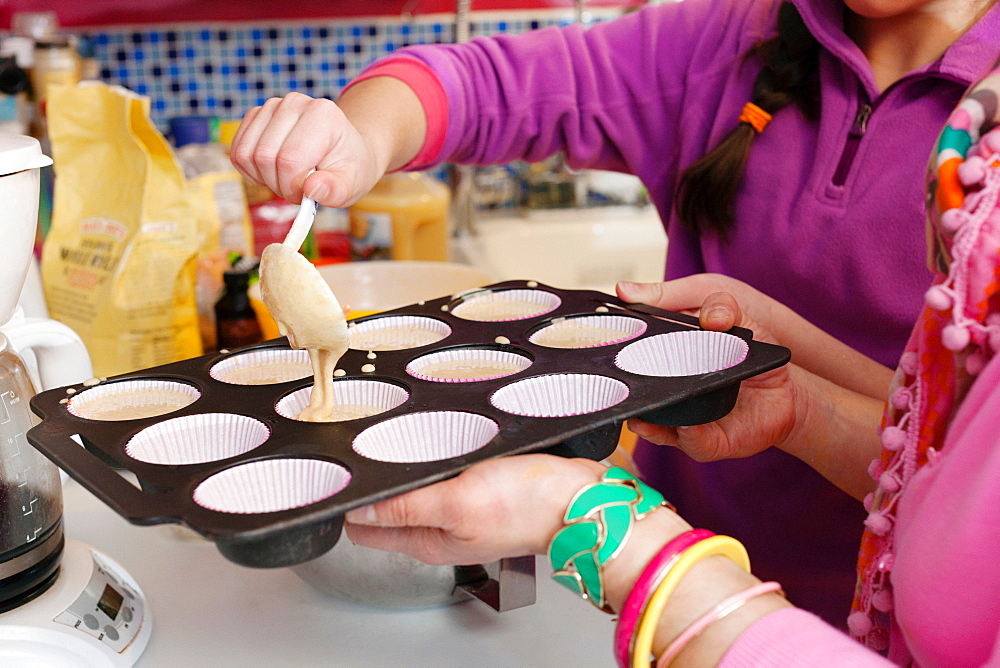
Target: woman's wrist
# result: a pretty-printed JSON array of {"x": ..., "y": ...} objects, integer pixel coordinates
[
  {"x": 556, "y": 489},
  {"x": 699, "y": 584},
  {"x": 648, "y": 537},
  {"x": 709, "y": 582}
]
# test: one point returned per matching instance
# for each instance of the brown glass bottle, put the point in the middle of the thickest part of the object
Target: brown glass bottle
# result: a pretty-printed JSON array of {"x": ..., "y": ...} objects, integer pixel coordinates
[{"x": 236, "y": 322}]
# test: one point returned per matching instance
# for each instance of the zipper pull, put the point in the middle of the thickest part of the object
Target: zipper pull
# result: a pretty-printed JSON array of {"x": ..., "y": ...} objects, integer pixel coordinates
[{"x": 861, "y": 120}]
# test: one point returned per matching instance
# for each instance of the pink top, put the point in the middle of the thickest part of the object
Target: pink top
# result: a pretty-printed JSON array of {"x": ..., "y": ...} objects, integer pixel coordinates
[{"x": 947, "y": 570}]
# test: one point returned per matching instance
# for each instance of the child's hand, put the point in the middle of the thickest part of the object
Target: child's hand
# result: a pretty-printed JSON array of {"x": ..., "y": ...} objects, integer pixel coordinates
[
  {"x": 765, "y": 412},
  {"x": 277, "y": 144}
]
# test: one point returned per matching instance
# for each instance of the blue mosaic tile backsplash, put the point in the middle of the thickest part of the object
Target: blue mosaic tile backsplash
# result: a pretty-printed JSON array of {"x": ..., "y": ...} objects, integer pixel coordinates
[{"x": 224, "y": 70}]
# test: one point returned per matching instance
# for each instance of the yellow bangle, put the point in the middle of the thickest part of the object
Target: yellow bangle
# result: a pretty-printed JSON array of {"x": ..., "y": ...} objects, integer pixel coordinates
[{"x": 716, "y": 545}]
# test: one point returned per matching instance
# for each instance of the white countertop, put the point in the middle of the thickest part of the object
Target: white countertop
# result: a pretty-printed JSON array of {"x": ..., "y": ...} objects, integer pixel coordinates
[{"x": 208, "y": 611}]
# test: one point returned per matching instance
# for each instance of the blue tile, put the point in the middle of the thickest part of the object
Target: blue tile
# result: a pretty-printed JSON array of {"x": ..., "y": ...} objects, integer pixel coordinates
[{"x": 206, "y": 67}]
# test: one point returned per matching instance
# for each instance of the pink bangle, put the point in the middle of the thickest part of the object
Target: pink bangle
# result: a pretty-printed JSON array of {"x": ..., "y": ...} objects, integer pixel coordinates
[
  {"x": 650, "y": 578},
  {"x": 720, "y": 610}
]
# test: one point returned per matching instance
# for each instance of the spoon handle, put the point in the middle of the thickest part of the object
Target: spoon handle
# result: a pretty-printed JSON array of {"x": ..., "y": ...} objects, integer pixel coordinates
[{"x": 302, "y": 223}]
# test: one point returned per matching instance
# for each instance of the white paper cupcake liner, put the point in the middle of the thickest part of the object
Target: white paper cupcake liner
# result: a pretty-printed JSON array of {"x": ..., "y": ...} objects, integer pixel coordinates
[
  {"x": 467, "y": 365},
  {"x": 196, "y": 439},
  {"x": 687, "y": 353},
  {"x": 560, "y": 395},
  {"x": 271, "y": 485},
  {"x": 353, "y": 399},
  {"x": 504, "y": 305},
  {"x": 267, "y": 366},
  {"x": 588, "y": 331},
  {"x": 131, "y": 400},
  {"x": 425, "y": 437},
  {"x": 396, "y": 332}
]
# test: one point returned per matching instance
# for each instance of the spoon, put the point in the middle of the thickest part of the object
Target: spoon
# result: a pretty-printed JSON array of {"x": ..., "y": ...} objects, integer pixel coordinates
[{"x": 305, "y": 309}]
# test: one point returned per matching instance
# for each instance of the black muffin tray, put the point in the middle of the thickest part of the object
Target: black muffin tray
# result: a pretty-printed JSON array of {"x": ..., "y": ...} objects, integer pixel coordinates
[{"x": 291, "y": 535}]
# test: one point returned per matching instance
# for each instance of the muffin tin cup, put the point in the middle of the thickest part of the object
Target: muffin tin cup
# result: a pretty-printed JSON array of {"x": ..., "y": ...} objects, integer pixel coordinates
[
  {"x": 492, "y": 305},
  {"x": 425, "y": 437},
  {"x": 132, "y": 400},
  {"x": 560, "y": 395},
  {"x": 271, "y": 486},
  {"x": 468, "y": 365},
  {"x": 684, "y": 353},
  {"x": 588, "y": 331},
  {"x": 400, "y": 332},
  {"x": 438, "y": 430},
  {"x": 354, "y": 399},
  {"x": 196, "y": 439},
  {"x": 266, "y": 366}
]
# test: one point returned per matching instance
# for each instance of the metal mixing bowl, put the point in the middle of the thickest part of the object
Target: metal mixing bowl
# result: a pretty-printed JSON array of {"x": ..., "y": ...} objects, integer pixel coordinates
[{"x": 372, "y": 577}]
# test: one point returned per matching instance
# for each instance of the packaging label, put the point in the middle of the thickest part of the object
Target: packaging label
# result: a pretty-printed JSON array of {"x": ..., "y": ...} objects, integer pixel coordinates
[{"x": 371, "y": 235}]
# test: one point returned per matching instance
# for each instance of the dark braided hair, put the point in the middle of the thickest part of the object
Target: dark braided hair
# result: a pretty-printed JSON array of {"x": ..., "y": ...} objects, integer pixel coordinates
[{"x": 707, "y": 188}]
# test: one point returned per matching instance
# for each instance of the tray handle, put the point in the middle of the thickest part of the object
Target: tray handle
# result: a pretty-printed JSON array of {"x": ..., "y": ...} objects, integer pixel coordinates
[{"x": 97, "y": 477}]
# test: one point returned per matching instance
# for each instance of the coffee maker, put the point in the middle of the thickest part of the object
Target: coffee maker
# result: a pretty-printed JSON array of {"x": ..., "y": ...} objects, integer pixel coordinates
[{"x": 62, "y": 603}]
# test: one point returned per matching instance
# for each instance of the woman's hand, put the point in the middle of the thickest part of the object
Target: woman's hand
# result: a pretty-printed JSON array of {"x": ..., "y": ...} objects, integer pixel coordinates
[
  {"x": 503, "y": 507},
  {"x": 377, "y": 125}
]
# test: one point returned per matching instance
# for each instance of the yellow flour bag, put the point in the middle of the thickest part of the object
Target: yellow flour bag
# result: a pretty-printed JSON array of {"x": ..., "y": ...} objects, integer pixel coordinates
[{"x": 118, "y": 264}]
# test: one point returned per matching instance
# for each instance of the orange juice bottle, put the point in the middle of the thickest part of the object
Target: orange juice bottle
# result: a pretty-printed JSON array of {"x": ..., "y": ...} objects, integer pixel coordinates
[{"x": 404, "y": 217}]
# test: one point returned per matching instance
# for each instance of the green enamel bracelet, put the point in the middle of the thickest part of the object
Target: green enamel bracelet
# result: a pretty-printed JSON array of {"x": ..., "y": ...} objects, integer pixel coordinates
[{"x": 599, "y": 521}]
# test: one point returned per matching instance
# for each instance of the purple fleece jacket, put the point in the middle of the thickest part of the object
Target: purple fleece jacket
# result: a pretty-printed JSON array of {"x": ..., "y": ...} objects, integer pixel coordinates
[{"x": 829, "y": 220}]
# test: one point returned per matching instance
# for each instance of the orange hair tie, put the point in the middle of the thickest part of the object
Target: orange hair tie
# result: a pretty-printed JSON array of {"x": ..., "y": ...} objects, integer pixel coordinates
[{"x": 755, "y": 116}]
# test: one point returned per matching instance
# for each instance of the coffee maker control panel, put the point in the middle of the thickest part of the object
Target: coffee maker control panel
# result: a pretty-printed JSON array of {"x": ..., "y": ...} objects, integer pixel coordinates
[{"x": 108, "y": 609}]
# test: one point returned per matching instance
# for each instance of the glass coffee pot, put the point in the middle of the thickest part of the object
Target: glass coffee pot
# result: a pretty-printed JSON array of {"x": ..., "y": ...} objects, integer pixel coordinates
[{"x": 31, "y": 538}]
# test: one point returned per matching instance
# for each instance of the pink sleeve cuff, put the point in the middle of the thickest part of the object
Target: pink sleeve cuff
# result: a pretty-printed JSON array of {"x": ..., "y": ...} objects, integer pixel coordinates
[
  {"x": 429, "y": 90},
  {"x": 794, "y": 637}
]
